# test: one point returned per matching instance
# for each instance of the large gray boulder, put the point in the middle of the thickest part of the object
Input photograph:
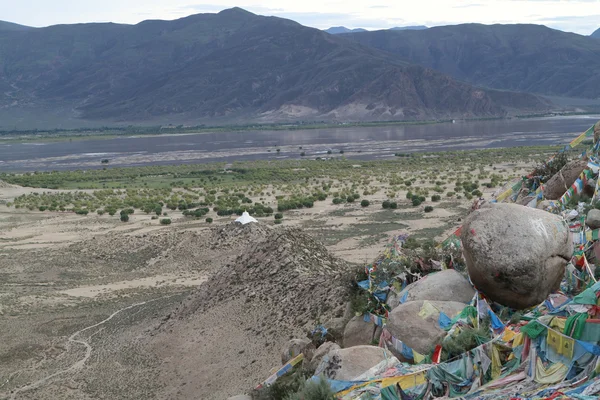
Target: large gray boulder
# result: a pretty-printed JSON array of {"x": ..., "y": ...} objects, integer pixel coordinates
[
  {"x": 516, "y": 255},
  {"x": 421, "y": 333},
  {"x": 562, "y": 180},
  {"x": 347, "y": 364},
  {"x": 321, "y": 352},
  {"x": 448, "y": 285},
  {"x": 593, "y": 219},
  {"x": 359, "y": 332}
]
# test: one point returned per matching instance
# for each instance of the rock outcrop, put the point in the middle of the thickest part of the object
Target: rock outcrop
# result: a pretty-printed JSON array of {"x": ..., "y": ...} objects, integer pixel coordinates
[
  {"x": 562, "y": 180},
  {"x": 358, "y": 332},
  {"x": 320, "y": 353},
  {"x": 347, "y": 364},
  {"x": 421, "y": 333},
  {"x": 516, "y": 255},
  {"x": 448, "y": 285}
]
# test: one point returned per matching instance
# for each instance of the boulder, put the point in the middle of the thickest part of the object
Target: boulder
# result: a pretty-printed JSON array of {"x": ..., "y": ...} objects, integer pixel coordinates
[
  {"x": 240, "y": 397},
  {"x": 347, "y": 364},
  {"x": 294, "y": 348},
  {"x": 516, "y": 255},
  {"x": 562, "y": 180},
  {"x": 417, "y": 332},
  {"x": 448, "y": 285},
  {"x": 593, "y": 219},
  {"x": 544, "y": 205},
  {"x": 358, "y": 332},
  {"x": 320, "y": 353}
]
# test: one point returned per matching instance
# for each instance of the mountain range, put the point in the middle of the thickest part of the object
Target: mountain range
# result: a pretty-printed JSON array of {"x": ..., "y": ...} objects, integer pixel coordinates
[
  {"x": 227, "y": 67},
  {"x": 596, "y": 34},
  {"x": 528, "y": 58},
  {"x": 337, "y": 30}
]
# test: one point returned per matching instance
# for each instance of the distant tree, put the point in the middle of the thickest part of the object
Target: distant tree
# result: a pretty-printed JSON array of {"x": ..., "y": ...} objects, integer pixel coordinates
[
  {"x": 105, "y": 161},
  {"x": 165, "y": 221},
  {"x": 209, "y": 220},
  {"x": 124, "y": 217},
  {"x": 365, "y": 203},
  {"x": 393, "y": 205},
  {"x": 329, "y": 152},
  {"x": 279, "y": 216},
  {"x": 386, "y": 204},
  {"x": 302, "y": 154},
  {"x": 341, "y": 151},
  {"x": 428, "y": 209}
]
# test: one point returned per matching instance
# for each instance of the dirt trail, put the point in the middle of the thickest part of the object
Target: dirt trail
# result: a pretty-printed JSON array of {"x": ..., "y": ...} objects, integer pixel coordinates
[{"x": 88, "y": 349}]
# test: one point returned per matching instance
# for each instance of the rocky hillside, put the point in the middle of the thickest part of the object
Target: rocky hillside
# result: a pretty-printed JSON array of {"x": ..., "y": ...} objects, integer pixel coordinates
[
  {"x": 529, "y": 58},
  {"x": 280, "y": 285},
  {"x": 596, "y": 34},
  {"x": 222, "y": 67}
]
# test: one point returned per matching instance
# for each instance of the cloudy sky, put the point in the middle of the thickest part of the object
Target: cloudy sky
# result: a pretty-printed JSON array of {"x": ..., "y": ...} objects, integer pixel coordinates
[{"x": 580, "y": 16}]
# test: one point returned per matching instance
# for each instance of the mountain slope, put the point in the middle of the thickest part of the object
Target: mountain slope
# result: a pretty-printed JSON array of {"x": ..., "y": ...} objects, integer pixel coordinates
[
  {"x": 230, "y": 65},
  {"x": 596, "y": 34},
  {"x": 528, "y": 58}
]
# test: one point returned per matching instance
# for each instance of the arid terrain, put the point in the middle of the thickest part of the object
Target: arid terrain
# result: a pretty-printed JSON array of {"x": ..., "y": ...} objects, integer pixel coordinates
[{"x": 92, "y": 307}]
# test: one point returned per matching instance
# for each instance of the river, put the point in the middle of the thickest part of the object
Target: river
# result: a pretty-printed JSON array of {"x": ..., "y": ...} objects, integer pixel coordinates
[{"x": 355, "y": 142}]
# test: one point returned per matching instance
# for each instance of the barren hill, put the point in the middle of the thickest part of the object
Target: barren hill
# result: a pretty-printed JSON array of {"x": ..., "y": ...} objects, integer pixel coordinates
[{"x": 280, "y": 286}]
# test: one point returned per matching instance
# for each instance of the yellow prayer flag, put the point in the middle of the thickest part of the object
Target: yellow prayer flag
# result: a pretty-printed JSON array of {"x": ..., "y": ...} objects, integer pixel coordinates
[
  {"x": 428, "y": 310},
  {"x": 567, "y": 346},
  {"x": 553, "y": 339},
  {"x": 418, "y": 357}
]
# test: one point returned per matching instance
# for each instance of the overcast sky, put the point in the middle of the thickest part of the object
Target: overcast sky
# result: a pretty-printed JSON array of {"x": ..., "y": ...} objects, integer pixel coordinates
[{"x": 580, "y": 16}]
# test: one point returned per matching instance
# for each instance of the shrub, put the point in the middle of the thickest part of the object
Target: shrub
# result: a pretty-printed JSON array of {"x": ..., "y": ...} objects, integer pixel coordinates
[
  {"x": 393, "y": 205},
  {"x": 477, "y": 193},
  {"x": 124, "y": 217},
  {"x": 436, "y": 197},
  {"x": 279, "y": 216},
  {"x": 100, "y": 212},
  {"x": 386, "y": 204},
  {"x": 209, "y": 220},
  {"x": 409, "y": 195},
  {"x": 302, "y": 154},
  {"x": 449, "y": 194},
  {"x": 428, "y": 209},
  {"x": 278, "y": 221},
  {"x": 350, "y": 199},
  {"x": 416, "y": 201},
  {"x": 165, "y": 221}
]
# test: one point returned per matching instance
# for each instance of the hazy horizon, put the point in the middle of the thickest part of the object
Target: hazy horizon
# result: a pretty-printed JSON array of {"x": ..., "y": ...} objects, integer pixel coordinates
[{"x": 578, "y": 16}]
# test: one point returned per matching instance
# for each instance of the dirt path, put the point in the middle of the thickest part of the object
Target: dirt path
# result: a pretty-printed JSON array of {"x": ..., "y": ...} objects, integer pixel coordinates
[{"x": 88, "y": 349}]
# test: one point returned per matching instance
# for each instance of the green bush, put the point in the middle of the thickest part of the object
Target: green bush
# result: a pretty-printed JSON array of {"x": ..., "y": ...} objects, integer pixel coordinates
[
  {"x": 416, "y": 201},
  {"x": 386, "y": 204},
  {"x": 350, "y": 199},
  {"x": 450, "y": 194},
  {"x": 279, "y": 216},
  {"x": 278, "y": 221},
  {"x": 428, "y": 209},
  {"x": 436, "y": 197},
  {"x": 165, "y": 221},
  {"x": 409, "y": 195},
  {"x": 209, "y": 220},
  {"x": 124, "y": 217},
  {"x": 393, "y": 205},
  {"x": 365, "y": 203}
]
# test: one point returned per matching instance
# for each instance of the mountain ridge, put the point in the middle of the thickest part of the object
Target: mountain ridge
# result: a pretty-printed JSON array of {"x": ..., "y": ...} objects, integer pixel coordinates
[
  {"x": 230, "y": 66},
  {"x": 338, "y": 30},
  {"x": 596, "y": 34},
  {"x": 528, "y": 58}
]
